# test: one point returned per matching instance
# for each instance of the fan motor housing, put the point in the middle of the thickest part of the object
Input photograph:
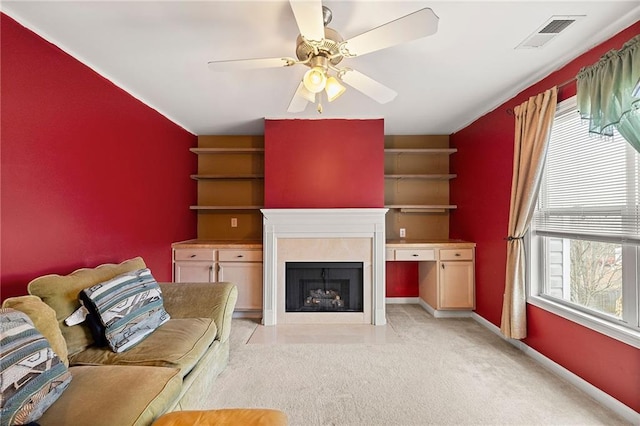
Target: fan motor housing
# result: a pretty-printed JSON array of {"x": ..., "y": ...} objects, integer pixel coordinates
[{"x": 328, "y": 47}]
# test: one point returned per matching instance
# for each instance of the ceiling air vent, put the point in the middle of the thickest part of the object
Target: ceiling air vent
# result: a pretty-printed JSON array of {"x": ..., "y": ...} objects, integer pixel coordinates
[{"x": 548, "y": 31}]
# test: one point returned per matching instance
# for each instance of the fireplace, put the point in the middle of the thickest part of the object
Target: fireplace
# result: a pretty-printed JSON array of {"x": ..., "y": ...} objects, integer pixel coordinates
[
  {"x": 323, "y": 287},
  {"x": 326, "y": 236}
]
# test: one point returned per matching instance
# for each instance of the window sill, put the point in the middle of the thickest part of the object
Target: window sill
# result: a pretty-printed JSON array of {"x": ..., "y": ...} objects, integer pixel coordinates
[{"x": 622, "y": 334}]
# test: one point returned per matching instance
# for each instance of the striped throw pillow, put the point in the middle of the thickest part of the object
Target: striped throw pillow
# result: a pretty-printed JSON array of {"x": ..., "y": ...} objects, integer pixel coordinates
[
  {"x": 125, "y": 309},
  {"x": 32, "y": 376}
]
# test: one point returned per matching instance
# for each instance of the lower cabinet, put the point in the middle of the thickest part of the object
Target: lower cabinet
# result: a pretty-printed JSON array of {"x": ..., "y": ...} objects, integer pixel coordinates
[
  {"x": 455, "y": 286},
  {"x": 447, "y": 273},
  {"x": 186, "y": 271},
  {"x": 247, "y": 276},
  {"x": 456, "y": 283},
  {"x": 194, "y": 265},
  {"x": 241, "y": 266}
]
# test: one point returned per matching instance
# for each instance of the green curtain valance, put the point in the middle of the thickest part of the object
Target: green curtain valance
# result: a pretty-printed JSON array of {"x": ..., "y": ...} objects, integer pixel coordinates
[{"x": 604, "y": 93}]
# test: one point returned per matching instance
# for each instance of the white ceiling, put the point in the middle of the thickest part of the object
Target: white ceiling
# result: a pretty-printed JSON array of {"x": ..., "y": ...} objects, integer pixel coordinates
[{"x": 158, "y": 51}]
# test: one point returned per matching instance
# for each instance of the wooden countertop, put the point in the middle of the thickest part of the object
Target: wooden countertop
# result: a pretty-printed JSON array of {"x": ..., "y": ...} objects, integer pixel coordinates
[
  {"x": 257, "y": 244},
  {"x": 429, "y": 243},
  {"x": 221, "y": 244}
]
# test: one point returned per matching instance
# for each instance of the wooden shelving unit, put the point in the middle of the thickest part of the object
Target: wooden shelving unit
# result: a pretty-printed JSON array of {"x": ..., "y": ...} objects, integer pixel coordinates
[
  {"x": 417, "y": 186},
  {"x": 425, "y": 208},
  {"x": 230, "y": 181}
]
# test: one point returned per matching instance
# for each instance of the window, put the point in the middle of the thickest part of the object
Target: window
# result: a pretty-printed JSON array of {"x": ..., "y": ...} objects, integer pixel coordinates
[{"x": 585, "y": 234}]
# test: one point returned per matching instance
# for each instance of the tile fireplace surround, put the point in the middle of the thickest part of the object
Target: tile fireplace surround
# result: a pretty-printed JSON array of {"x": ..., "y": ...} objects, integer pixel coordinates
[{"x": 324, "y": 235}]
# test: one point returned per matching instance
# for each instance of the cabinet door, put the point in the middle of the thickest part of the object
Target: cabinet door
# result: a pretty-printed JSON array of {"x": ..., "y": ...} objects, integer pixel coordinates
[
  {"x": 247, "y": 276},
  {"x": 456, "y": 289},
  {"x": 193, "y": 272}
]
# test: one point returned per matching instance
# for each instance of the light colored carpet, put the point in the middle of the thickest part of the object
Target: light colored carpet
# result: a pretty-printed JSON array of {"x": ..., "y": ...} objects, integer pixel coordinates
[{"x": 437, "y": 371}]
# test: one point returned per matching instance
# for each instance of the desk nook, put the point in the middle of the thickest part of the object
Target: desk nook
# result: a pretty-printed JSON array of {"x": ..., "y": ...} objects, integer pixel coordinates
[{"x": 446, "y": 273}]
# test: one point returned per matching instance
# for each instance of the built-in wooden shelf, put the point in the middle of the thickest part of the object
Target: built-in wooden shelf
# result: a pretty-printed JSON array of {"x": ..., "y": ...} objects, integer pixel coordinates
[
  {"x": 420, "y": 176},
  {"x": 417, "y": 177},
  {"x": 420, "y": 150},
  {"x": 234, "y": 176},
  {"x": 230, "y": 187},
  {"x": 422, "y": 208},
  {"x": 226, "y": 150},
  {"x": 226, "y": 207}
]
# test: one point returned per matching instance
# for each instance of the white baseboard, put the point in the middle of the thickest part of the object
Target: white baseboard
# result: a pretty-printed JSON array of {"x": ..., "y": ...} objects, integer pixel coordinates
[
  {"x": 443, "y": 314},
  {"x": 602, "y": 397},
  {"x": 402, "y": 300}
]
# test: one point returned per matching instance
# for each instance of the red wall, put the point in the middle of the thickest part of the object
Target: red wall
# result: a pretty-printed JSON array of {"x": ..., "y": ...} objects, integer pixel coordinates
[
  {"x": 89, "y": 174},
  {"x": 402, "y": 279},
  {"x": 324, "y": 163},
  {"x": 481, "y": 191}
]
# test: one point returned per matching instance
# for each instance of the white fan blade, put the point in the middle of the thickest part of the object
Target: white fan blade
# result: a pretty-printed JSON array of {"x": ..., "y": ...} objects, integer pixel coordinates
[
  {"x": 300, "y": 99},
  {"x": 308, "y": 15},
  {"x": 249, "y": 64},
  {"x": 410, "y": 27},
  {"x": 368, "y": 86}
]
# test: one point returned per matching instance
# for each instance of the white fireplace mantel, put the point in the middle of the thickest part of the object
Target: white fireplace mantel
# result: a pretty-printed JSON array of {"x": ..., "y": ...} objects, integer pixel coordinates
[{"x": 317, "y": 228}]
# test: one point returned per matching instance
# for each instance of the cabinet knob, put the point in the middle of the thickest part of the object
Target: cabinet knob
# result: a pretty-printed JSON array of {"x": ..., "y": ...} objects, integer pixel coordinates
[
  {"x": 442, "y": 265},
  {"x": 414, "y": 255},
  {"x": 193, "y": 255},
  {"x": 457, "y": 254},
  {"x": 239, "y": 255}
]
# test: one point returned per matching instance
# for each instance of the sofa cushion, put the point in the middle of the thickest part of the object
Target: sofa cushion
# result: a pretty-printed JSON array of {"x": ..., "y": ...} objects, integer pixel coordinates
[
  {"x": 32, "y": 377},
  {"x": 109, "y": 395},
  {"x": 125, "y": 309},
  {"x": 61, "y": 293},
  {"x": 44, "y": 319},
  {"x": 202, "y": 300},
  {"x": 179, "y": 343}
]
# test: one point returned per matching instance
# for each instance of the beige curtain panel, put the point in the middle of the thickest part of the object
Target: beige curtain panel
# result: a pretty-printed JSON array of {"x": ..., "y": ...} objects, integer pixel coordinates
[{"x": 533, "y": 125}]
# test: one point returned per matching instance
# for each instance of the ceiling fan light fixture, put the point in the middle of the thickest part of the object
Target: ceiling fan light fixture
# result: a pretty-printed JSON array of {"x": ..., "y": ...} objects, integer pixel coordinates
[
  {"x": 322, "y": 48},
  {"x": 306, "y": 94},
  {"x": 315, "y": 79},
  {"x": 334, "y": 89}
]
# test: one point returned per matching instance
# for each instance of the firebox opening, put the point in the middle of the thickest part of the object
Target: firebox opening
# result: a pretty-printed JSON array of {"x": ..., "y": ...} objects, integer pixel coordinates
[{"x": 324, "y": 286}]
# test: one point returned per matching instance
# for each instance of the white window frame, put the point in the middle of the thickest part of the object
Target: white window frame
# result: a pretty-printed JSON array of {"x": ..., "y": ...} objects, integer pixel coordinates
[
  {"x": 536, "y": 297},
  {"x": 584, "y": 316}
]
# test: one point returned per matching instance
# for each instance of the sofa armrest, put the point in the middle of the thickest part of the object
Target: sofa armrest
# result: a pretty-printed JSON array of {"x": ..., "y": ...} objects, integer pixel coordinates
[{"x": 202, "y": 300}]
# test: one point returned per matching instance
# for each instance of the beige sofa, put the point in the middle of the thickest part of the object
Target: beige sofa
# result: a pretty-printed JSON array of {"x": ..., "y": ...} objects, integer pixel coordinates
[{"x": 172, "y": 369}]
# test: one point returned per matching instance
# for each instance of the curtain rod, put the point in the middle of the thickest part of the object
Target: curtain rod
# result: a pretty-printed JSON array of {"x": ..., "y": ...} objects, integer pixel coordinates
[
  {"x": 559, "y": 86},
  {"x": 566, "y": 83}
]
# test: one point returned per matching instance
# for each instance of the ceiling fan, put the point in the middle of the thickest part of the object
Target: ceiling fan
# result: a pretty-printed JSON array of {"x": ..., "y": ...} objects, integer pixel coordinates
[{"x": 322, "y": 49}]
